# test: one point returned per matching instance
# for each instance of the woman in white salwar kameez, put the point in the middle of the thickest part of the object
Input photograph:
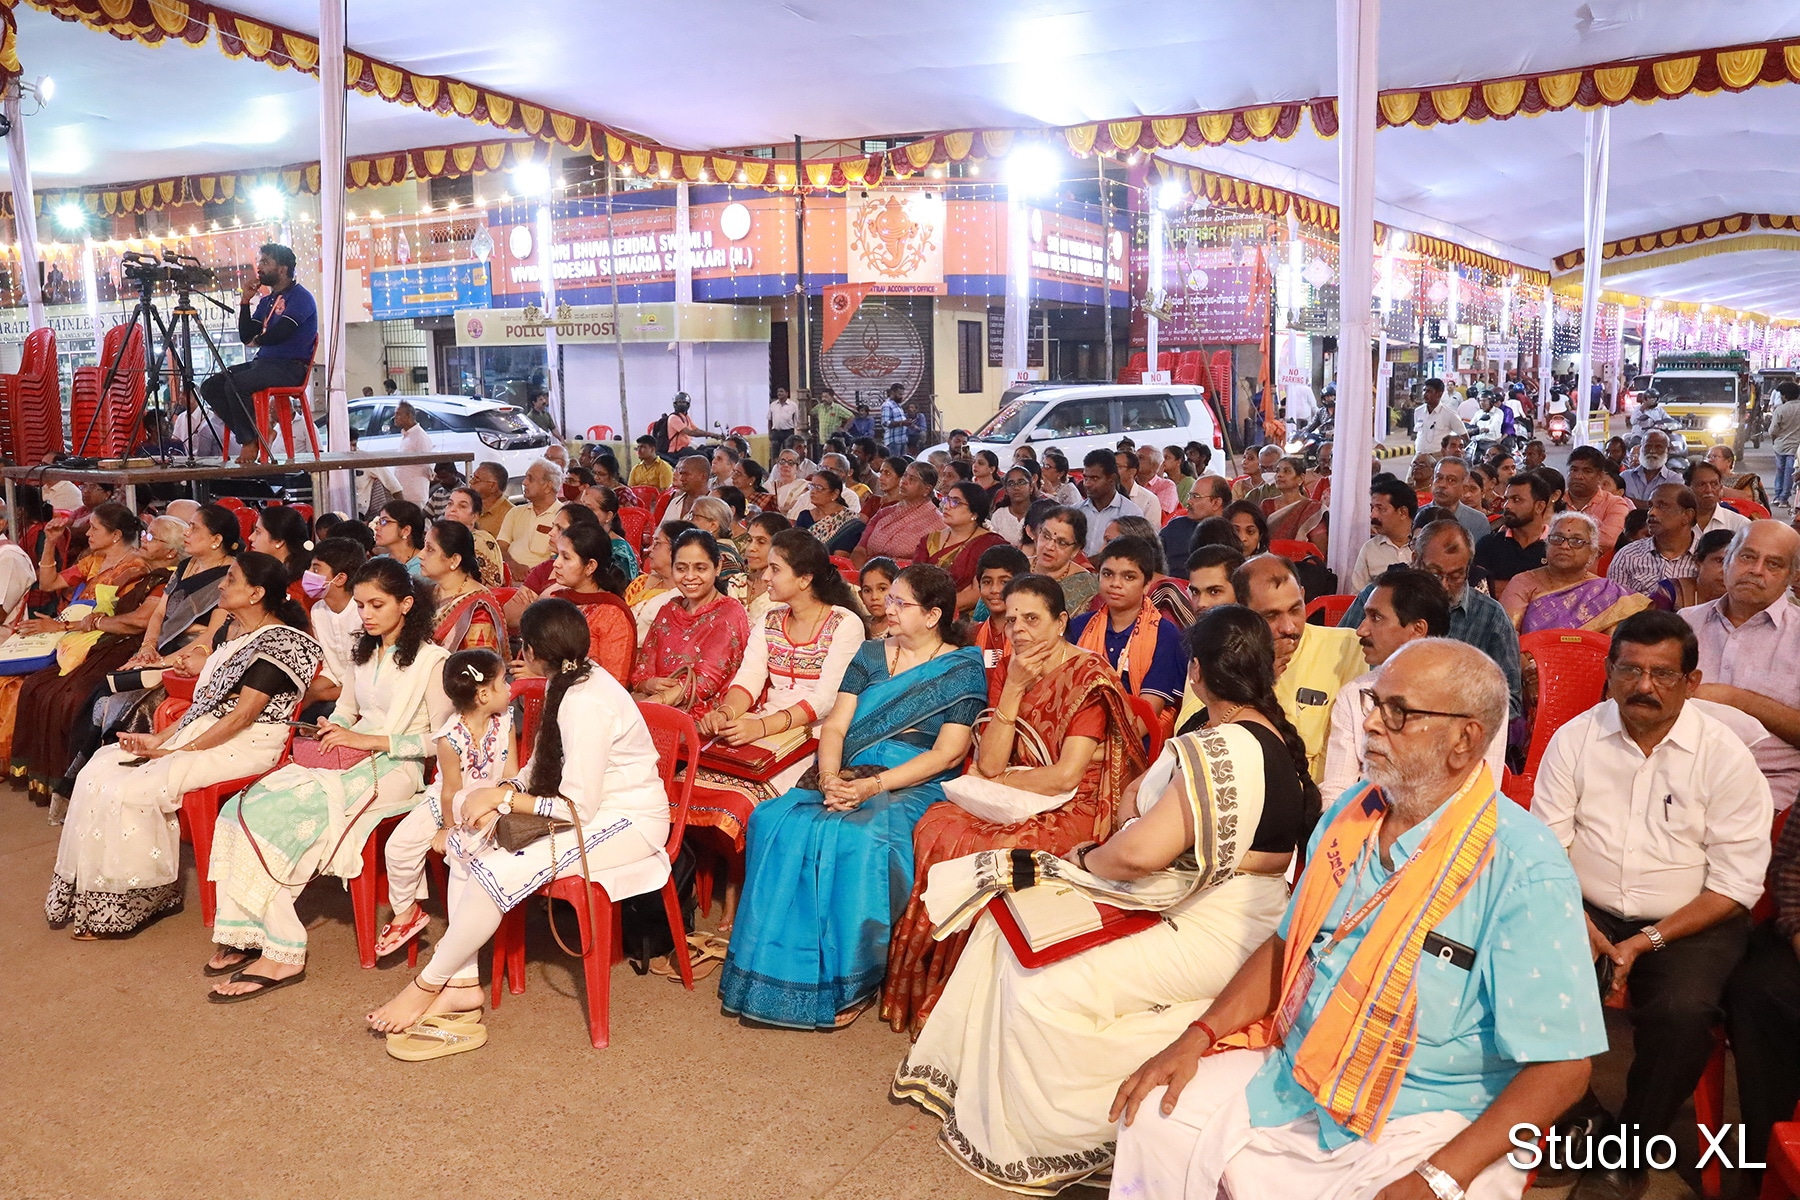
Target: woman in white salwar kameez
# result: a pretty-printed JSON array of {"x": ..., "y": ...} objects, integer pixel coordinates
[
  {"x": 315, "y": 820},
  {"x": 1022, "y": 1064},
  {"x": 119, "y": 862},
  {"x": 594, "y": 757}
]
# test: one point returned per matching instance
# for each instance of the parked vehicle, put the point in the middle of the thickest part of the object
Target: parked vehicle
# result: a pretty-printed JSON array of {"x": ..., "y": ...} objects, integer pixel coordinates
[
  {"x": 1080, "y": 418},
  {"x": 489, "y": 429},
  {"x": 1709, "y": 394}
]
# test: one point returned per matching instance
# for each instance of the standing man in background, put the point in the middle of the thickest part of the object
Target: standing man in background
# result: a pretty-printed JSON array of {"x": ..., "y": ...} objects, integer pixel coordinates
[
  {"x": 896, "y": 425},
  {"x": 415, "y": 478},
  {"x": 784, "y": 418},
  {"x": 284, "y": 330}
]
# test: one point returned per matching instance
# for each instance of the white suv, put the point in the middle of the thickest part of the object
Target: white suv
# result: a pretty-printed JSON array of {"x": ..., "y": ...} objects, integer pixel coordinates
[
  {"x": 489, "y": 429},
  {"x": 1079, "y": 418}
]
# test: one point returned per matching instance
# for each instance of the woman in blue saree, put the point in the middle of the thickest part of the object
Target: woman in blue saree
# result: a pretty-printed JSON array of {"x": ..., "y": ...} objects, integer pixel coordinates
[{"x": 830, "y": 866}]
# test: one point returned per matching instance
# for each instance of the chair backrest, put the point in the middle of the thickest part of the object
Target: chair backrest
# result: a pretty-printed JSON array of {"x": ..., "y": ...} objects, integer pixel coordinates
[
  {"x": 1751, "y": 509},
  {"x": 842, "y": 563},
  {"x": 677, "y": 741},
  {"x": 1333, "y": 608},
  {"x": 634, "y": 523},
  {"x": 1293, "y": 550},
  {"x": 600, "y": 433},
  {"x": 646, "y": 496},
  {"x": 1765, "y": 905},
  {"x": 246, "y": 521},
  {"x": 743, "y": 430},
  {"x": 1571, "y": 672},
  {"x": 529, "y": 692}
]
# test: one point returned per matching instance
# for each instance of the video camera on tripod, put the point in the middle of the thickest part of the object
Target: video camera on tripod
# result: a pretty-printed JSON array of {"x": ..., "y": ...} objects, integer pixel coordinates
[{"x": 184, "y": 271}]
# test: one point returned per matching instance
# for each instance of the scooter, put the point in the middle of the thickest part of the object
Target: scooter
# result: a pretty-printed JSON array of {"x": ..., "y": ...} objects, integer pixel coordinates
[{"x": 1556, "y": 428}]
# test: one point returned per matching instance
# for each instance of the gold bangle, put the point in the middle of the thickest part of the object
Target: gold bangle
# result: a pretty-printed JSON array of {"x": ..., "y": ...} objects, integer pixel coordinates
[{"x": 1004, "y": 719}]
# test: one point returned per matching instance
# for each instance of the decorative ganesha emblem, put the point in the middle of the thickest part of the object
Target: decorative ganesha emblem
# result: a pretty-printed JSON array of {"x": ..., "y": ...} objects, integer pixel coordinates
[{"x": 889, "y": 240}]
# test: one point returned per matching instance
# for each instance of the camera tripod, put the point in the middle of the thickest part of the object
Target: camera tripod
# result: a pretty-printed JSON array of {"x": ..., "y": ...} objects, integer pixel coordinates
[{"x": 177, "y": 347}]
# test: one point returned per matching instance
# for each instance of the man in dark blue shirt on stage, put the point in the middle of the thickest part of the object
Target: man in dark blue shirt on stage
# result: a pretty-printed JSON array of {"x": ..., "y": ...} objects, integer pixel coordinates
[{"x": 283, "y": 331}]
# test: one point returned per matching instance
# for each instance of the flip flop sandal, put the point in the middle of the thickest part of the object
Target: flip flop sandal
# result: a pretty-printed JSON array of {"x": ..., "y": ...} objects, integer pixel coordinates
[
  {"x": 437, "y": 1036},
  {"x": 702, "y": 961},
  {"x": 401, "y": 934},
  {"x": 268, "y": 985},
  {"x": 212, "y": 972},
  {"x": 848, "y": 1017}
]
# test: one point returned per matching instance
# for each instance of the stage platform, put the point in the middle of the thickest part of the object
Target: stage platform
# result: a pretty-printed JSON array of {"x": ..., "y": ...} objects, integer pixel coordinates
[{"x": 211, "y": 469}]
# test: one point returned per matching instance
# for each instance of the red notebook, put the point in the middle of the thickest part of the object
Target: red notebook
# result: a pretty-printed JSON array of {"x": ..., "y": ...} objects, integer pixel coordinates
[
  {"x": 1113, "y": 923},
  {"x": 762, "y": 759}
]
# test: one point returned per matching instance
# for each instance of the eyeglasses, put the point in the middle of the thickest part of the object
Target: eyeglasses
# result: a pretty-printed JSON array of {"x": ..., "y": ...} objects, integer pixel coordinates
[
  {"x": 1012, "y": 483},
  {"x": 1573, "y": 543},
  {"x": 789, "y": 462},
  {"x": 1662, "y": 677},
  {"x": 382, "y": 520},
  {"x": 1065, "y": 543},
  {"x": 892, "y": 601},
  {"x": 1453, "y": 581},
  {"x": 953, "y": 502},
  {"x": 1395, "y": 714}
]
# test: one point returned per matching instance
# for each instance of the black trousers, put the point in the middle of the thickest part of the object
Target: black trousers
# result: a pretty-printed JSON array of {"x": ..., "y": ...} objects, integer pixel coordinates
[
  {"x": 1762, "y": 1014},
  {"x": 248, "y": 378},
  {"x": 1676, "y": 1002}
]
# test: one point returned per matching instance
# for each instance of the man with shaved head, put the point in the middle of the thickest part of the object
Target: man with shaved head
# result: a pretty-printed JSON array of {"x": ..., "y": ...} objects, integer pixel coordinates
[
  {"x": 1312, "y": 662},
  {"x": 1397, "y": 1054}
]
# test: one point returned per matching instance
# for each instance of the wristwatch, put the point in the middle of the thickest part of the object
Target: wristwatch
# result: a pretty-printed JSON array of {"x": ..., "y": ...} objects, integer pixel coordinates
[
  {"x": 1441, "y": 1183},
  {"x": 1654, "y": 936},
  {"x": 504, "y": 808}
]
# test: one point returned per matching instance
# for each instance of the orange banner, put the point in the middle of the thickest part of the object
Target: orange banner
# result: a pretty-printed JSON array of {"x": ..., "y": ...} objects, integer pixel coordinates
[{"x": 841, "y": 302}]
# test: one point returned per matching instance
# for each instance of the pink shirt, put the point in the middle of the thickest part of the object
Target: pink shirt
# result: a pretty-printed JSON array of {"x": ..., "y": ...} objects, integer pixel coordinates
[
  {"x": 1608, "y": 512},
  {"x": 1758, "y": 656}
]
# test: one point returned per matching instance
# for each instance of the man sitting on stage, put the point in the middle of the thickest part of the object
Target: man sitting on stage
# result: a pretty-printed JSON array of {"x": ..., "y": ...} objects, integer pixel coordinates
[
  {"x": 1428, "y": 991},
  {"x": 284, "y": 331}
]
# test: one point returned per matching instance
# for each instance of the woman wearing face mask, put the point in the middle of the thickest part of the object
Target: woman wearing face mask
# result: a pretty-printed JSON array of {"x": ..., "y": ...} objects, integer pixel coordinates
[
  {"x": 308, "y": 820},
  {"x": 468, "y": 614},
  {"x": 465, "y": 509},
  {"x": 696, "y": 643},
  {"x": 119, "y": 862},
  {"x": 1061, "y": 724}
]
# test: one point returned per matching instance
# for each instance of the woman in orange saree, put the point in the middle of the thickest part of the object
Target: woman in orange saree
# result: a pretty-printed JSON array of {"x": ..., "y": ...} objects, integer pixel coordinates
[
  {"x": 468, "y": 614},
  {"x": 1073, "y": 701}
]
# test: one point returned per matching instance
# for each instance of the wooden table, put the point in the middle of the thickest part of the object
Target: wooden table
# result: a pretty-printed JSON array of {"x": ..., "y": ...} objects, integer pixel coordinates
[{"x": 178, "y": 472}]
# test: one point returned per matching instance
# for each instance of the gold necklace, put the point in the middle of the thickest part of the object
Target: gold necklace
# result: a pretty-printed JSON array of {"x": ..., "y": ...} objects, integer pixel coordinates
[{"x": 1225, "y": 717}]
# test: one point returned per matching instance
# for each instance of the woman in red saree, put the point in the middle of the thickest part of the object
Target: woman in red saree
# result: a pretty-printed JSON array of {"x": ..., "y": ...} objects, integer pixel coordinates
[
  {"x": 586, "y": 575},
  {"x": 959, "y": 547},
  {"x": 1071, "y": 699},
  {"x": 468, "y": 614},
  {"x": 696, "y": 643}
]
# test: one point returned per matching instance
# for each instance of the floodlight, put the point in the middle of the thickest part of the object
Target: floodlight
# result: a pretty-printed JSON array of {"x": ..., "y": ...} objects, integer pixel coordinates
[
  {"x": 1169, "y": 195},
  {"x": 268, "y": 203},
  {"x": 70, "y": 217},
  {"x": 1033, "y": 169},
  {"x": 532, "y": 179},
  {"x": 46, "y": 88}
]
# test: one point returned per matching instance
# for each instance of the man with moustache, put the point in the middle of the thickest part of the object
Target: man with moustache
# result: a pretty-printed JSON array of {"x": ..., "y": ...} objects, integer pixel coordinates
[
  {"x": 1406, "y": 605},
  {"x": 1666, "y": 820},
  {"x": 283, "y": 329},
  {"x": 1366, "y": 1052}
]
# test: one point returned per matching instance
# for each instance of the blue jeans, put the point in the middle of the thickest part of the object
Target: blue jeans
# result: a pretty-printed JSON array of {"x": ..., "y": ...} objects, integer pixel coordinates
[{"x": 1784, "y": 478}]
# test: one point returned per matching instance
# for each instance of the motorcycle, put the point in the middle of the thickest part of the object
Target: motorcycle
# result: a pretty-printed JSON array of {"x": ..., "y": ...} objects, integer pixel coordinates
[{"x": 1556, "y": 428}]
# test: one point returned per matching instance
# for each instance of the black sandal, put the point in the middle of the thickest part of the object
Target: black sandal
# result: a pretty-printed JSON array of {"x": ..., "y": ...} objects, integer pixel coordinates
[
  {"x": 212, "y": 972},
  {"x": 268, "y": 985}
]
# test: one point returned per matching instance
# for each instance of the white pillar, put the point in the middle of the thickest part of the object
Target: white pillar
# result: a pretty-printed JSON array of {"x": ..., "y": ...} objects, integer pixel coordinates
[
  {"x": 1018, "y": 280},
  {"x": 24, "y": 211},
  {"x": 331, "y": 246},
  {"x": 1358, "y": 46},
  {"x": 546, "y": 254},
  {"x": 1153, "y": 285},
  {"x": 1597, "y": 156},
  {"x": 1546, "y": 347},
  {"x": 684, "y": 294}
]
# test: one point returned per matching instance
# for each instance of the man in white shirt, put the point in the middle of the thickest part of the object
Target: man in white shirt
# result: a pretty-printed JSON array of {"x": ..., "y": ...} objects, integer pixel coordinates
[
  {"x": 525, "y": 534},
  {"x": 784, "y": 418},
  {"x": 1136, "y": 492},
  {"x": 1434, "y": 420},
  {"x": 194, "y": 428},
  {"x": 692, "y": 474},
  {"x": 1150, "y": 475},
  {"x": 1707, "y": 483},
  {"x": 1392, "y": 507},
  {"x": 1405, "y": 606},
  {"x": 1666, "y": 821},
  {"x": 415, "y": 480}
]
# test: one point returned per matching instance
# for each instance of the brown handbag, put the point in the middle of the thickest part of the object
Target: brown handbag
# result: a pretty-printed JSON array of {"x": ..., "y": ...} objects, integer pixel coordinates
[{"x": 515, "y": 831}]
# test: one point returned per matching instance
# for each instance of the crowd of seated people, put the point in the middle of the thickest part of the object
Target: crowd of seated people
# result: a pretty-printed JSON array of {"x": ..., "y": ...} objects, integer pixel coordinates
[{"x": 1000, "y": 697}]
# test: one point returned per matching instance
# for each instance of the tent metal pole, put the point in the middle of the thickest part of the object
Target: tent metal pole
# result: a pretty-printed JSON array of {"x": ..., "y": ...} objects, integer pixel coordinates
[
  {"x": 1106, "y": 264},
  {"x": 1358, "y": 46},
  {"x": 341, "y": 487},
  {"x": 25, "y": 210},
  {"x": 1597, "y": 161},
  {"x": 612, "y": 270},
  {"x": 804, "y": 315}
]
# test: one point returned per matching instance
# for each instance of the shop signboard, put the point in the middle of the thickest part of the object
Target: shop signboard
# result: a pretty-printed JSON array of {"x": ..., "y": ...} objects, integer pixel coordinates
[
  {"x": 895, "y": 238},
  {"x": 434, "y": 290},
  {"x": 592, "y": 324},
  {"x": 1212, "y": 295}
]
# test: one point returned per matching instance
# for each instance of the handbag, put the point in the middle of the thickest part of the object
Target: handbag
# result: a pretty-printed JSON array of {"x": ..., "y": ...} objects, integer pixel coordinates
[
  {"x": 515, "y": 831},
  {"x": 315, "y": 755},
  {"x": 762, "y": 759}
]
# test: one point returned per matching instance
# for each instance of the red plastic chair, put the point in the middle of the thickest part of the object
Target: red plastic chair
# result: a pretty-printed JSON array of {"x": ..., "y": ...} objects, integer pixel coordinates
[
  {"x": 645, "y": 496},
  {"x": 231, "y": 502},
  {"x": 305, "y": 510},
  {"x": 743, "y": 430},
  {"x": 1190, "y": 367},
  {"x": 1154, "y": 735},
  {"x": 1749, "y": 508},
  {"x": 1334, "y": 608},
  {"x": 246, "y": 521},
  {"x": 1571, "y": 671},
  {"x": 1293, "y": 550},
  {"x": 677, "y": 740},
  {"x": 600, "y": 433},
  {"x": 280, "y": 406},
  {"x": 634, "y": 527},
  {"x": 842, "y": 563},
  {"x": 31, "y": 428}
]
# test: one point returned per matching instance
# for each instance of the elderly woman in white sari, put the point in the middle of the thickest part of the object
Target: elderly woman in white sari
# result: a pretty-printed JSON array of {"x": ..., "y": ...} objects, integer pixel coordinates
[
  {"x": 308, "y": 820},
  {"x": 118, "y": 865},
  {"x": 1021, "y": 1062}
]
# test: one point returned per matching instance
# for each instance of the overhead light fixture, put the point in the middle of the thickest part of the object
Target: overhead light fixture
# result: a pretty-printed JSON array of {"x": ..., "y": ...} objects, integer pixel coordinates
[
  {"x": 268, "y": 203},
  {"x": 70, "y": 217},
  {"x": 1169, "y": 195},
  {"x": 1032, "y": 170},
  {"x": 532, "y": 179}
]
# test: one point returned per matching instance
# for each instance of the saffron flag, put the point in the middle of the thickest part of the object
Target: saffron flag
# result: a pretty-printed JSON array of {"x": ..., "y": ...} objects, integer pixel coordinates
[{"x": 841, "y": 302}]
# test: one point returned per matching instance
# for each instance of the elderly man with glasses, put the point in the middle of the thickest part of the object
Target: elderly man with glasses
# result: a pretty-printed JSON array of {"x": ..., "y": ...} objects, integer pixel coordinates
[
  {"x": 1666, "y": 820},
  {"x": 1365, "y": 1051}
]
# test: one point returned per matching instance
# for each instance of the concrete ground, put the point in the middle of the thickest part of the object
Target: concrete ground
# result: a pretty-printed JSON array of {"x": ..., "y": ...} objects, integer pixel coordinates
[{"x": 125, "y": 1085}]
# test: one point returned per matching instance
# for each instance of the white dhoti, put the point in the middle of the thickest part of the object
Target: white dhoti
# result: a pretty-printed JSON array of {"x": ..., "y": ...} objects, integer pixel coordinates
[{"x": 1208, "y": 1149}]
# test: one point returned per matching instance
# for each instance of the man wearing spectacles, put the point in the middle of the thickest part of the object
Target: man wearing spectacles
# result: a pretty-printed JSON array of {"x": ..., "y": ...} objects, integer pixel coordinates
[
  {"x": 1668, "y": 553},
  {"x": 1666, "y": 819},
  {"x": 1495, "y": 1008},
  {"x": 1518, "y": 545}
]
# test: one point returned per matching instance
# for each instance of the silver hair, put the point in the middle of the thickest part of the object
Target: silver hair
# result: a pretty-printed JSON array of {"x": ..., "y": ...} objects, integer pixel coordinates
[
  {"x": 1587, "y": 523},
  {"x": 553, "y": 471},
  {"x": 715, "y": 510},
  {"x": 837, "y": 464},
  {"x": 169, "y": 531},
  {"x": 1478, "y": 679},
  {"x": 1743, "y": 535}
]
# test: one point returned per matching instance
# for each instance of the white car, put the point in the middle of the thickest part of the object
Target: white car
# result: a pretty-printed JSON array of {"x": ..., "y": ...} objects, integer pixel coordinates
[
  {"x": 1078, "y": 418},
  {"x": 490, "y": 430}
]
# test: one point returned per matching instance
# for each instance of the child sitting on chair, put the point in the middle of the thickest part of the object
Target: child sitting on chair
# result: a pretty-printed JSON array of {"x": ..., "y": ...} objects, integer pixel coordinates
[{"x": 478, "y": 748}]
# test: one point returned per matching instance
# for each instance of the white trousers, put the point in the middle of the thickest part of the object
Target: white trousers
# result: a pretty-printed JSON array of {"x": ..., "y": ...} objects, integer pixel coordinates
[
  {"x": 407, "y": 847},
  {"x": 1207, "y": 1148}
]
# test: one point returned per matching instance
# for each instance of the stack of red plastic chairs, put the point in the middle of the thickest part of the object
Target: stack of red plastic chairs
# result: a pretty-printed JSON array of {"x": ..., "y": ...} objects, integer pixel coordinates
[
  {"x": 31, "y": 406},
  {"x": 119, "y": 413}
]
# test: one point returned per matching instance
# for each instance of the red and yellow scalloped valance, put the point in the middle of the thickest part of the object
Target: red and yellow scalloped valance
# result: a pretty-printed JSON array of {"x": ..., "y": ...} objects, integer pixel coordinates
[
  {"x": 296, "y": 179},
  {"x": 1681, "y": 235},
  {"x": 1274, "y": 202}
]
